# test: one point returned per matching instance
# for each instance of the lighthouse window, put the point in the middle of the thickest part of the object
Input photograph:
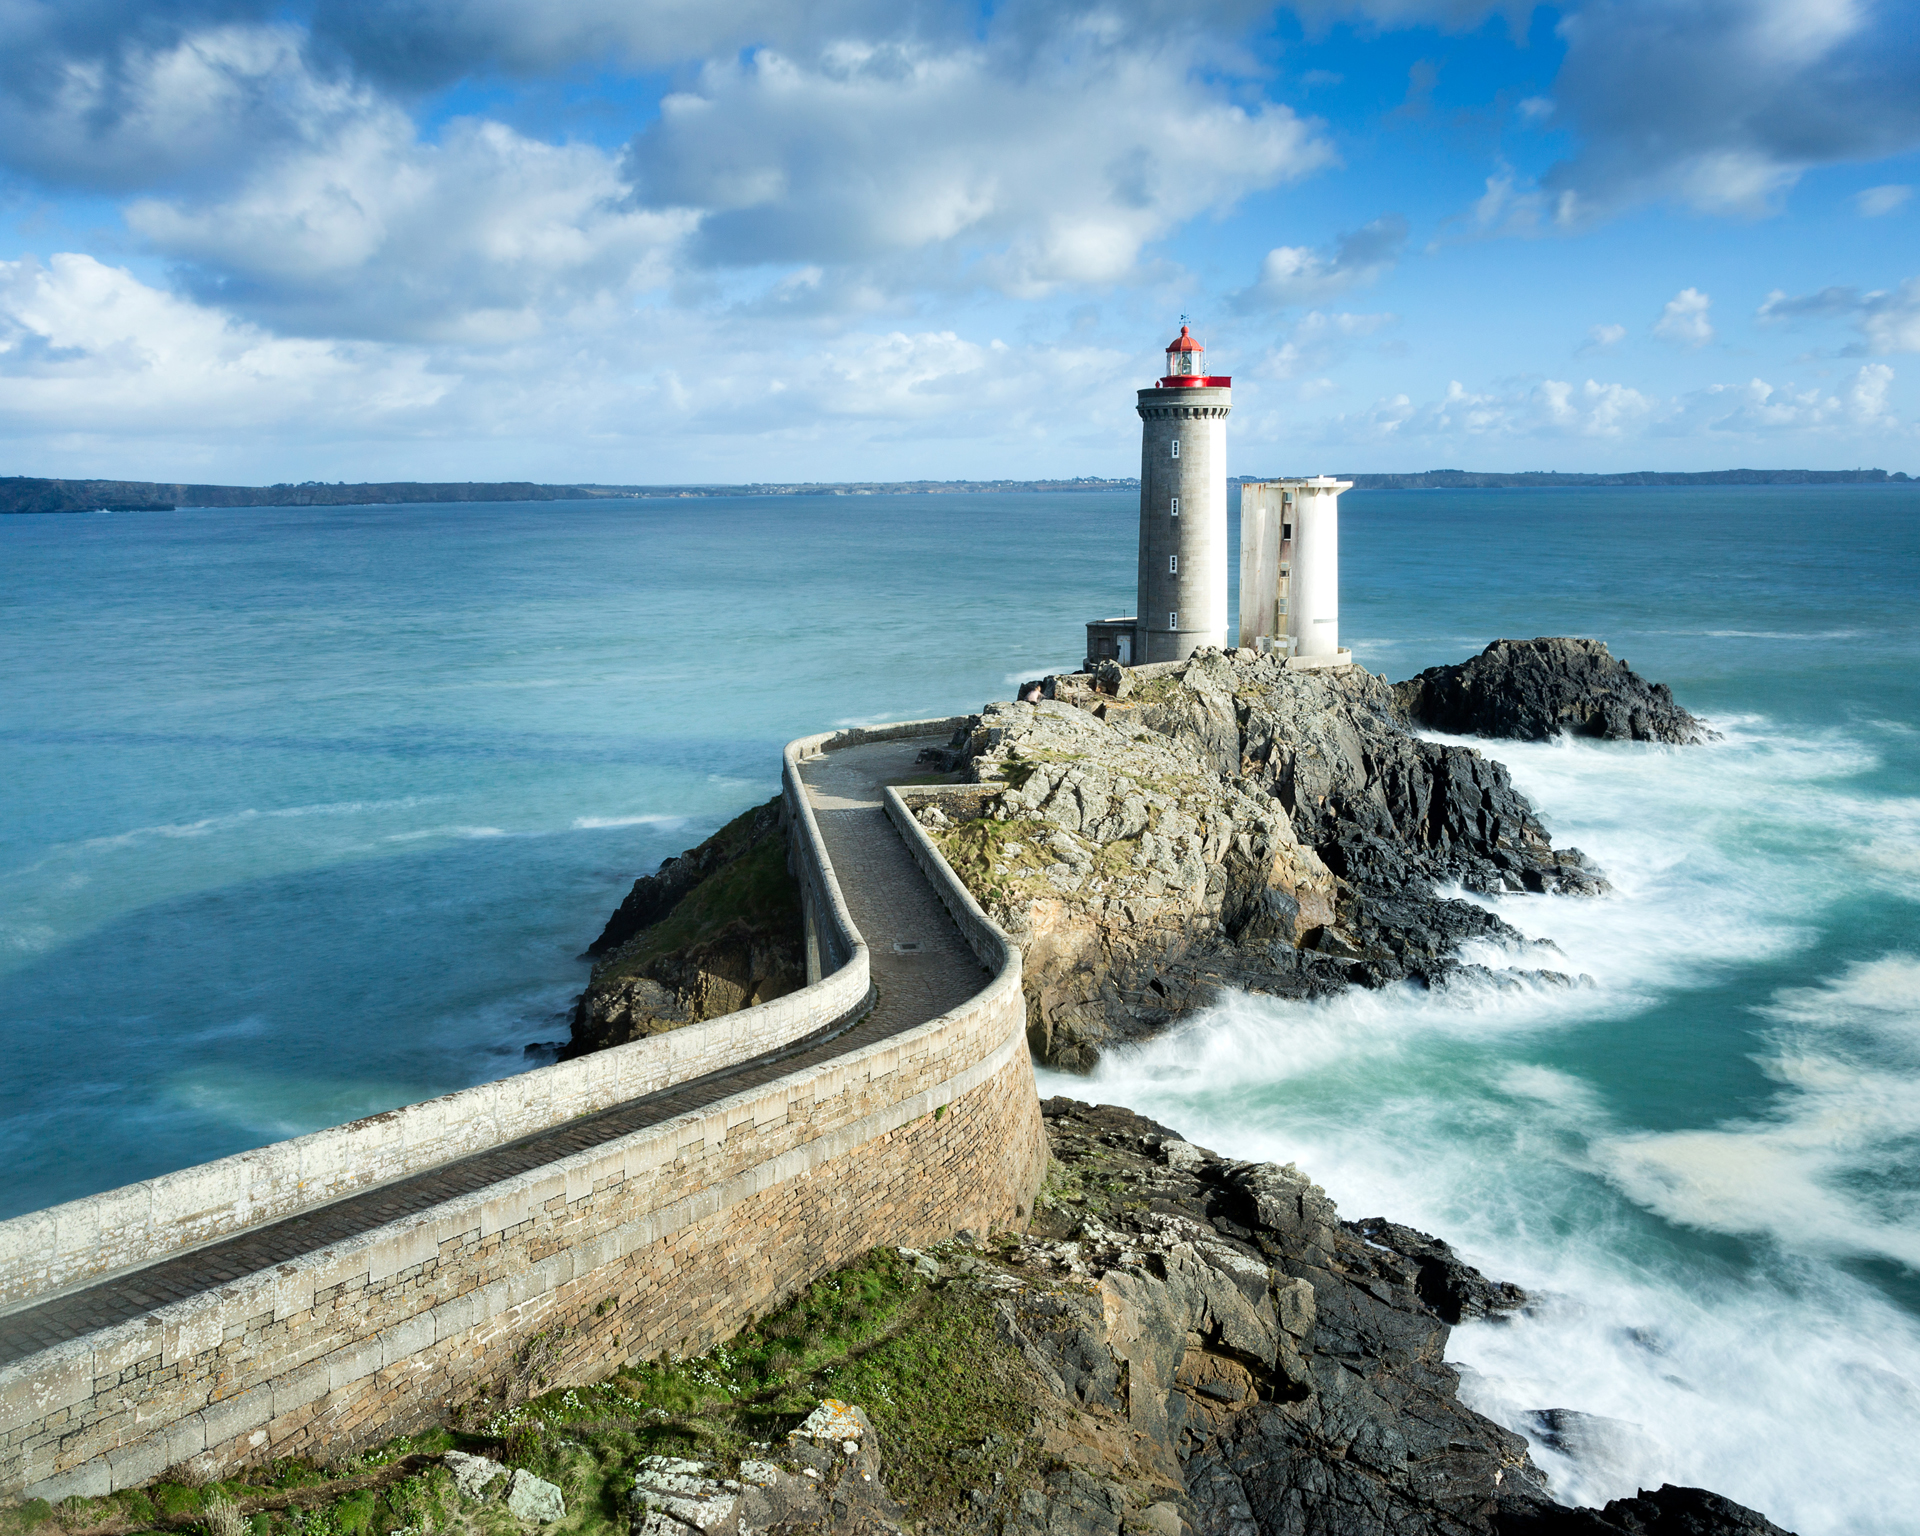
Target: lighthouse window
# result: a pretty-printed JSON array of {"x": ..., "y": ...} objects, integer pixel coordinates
[
  {"x": 1173, "y": 619},
  {"x": 1176, "y": 506},
  {"x": 1173, "y": 564},
  {"x": 1176, "y": 447},
  {"x": 1286, "y": 530}
]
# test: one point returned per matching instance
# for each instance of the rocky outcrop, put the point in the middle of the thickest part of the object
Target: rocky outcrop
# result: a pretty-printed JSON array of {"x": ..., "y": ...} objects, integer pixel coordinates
[
  {"x": 1150, "y": 837},
  {"x": 1216, "y": 1352},
  {"x": 825, "y": 1481},
  {"x": 1533, "y": 690},
  {"x": 715, "y": 929},
  {"x": 1666, "y": 1511}
]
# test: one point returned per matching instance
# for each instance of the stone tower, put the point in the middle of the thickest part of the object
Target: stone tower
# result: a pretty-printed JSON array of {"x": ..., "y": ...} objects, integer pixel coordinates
[{"x": 1183, "y": 508}]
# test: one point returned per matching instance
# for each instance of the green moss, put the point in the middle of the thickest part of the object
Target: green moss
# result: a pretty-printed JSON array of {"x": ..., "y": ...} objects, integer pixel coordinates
[
  {"x": 754, "y": 888},
  {"x": 981, "y": 855},
  {"x": 923, "y": 1362},
  {"x": 24, "y": 1517},
  {"x": 177, "y": 1499},
  {"x": 354, "y": 1514},
  {"x": 948, "y": 1401}
]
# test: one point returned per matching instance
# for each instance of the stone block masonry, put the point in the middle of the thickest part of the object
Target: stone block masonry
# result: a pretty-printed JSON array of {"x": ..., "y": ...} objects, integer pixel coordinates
[{"x": 607, "y": 1240}]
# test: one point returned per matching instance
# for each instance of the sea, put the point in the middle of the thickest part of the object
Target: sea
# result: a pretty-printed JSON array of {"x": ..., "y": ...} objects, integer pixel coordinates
[{"x": 310, "y": 812}]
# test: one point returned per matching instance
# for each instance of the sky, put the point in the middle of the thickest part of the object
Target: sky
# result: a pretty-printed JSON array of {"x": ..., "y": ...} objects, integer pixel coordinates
[{"x": 698, "y": 241}]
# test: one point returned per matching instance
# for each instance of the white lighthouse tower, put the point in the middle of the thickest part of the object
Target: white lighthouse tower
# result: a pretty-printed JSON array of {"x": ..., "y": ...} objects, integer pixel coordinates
[{"x": 1183, "y": 508}]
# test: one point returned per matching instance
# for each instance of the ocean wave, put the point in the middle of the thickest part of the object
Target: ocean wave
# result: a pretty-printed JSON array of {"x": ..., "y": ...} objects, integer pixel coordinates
[
  {"x": 1847, "y": 1054},
  {"x": 1693, "y": 1281},
  {"x": 597, "y": 823},
  {"x": 232, "y": 819}
]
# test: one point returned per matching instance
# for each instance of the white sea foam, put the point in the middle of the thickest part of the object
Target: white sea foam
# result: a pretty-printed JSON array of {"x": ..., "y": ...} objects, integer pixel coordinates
[
  {"x": 457, "y": 831},
  {"x": 1697, "y": 1283},
  {"x": 1848, "y": 1055},
  {"x": 227, "y": 822},
  {"x": 596, "y": 823}
]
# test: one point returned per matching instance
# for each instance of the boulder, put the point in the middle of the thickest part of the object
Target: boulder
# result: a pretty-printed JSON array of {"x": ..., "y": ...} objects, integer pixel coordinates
[
  {"x": 535, "y": 1499},
  {"x": 716, "y": 929},
  {"x": 472, "y": 1474},
  {"x": 1533, "y": 690},
  {"x": 1666, "y": 1511}
]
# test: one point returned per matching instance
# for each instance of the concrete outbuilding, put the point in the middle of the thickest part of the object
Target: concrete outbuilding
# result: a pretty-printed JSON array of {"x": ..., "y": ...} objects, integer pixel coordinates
[{"x": 1290, "y": 569}]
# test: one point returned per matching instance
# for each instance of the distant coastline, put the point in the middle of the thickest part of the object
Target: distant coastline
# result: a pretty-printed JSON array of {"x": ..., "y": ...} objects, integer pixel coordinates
[{"x": 21, "y": 493}]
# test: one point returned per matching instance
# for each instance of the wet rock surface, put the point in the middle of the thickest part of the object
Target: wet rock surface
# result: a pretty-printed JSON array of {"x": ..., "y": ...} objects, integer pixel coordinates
[
  {"x": 1533, "y": 690},
  {"x": 1150, "y": 840},
  {"x": 1216, "y": 1353}
]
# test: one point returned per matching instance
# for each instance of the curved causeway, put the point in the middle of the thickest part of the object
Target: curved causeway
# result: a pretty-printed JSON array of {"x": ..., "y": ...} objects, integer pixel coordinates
[{"x": 353, "y": 1285}]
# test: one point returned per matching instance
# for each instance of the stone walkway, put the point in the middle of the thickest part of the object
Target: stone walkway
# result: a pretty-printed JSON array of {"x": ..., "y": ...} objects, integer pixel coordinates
[
  {"x": 921, "y": 964},
  {"x": 922, "y": 967}
]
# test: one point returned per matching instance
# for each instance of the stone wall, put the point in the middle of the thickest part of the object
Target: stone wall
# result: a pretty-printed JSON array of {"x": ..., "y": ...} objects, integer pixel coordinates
[
  {"x": 86, "y": 1240},
  {"x": 667, "y": 1239}
]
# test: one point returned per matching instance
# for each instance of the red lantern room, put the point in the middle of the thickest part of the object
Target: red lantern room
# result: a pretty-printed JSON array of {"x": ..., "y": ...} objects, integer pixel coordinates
[{"x": 1184, "y": 367}]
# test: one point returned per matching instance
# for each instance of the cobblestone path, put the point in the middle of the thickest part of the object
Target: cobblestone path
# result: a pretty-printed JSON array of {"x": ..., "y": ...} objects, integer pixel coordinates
[{"x": 921, "y": 968}]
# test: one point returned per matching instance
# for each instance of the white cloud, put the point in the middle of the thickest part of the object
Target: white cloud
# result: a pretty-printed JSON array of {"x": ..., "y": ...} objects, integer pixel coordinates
[
  {"x": 1684, "y": 320},
  {"x": 1755, "y": 412},
  {"x": 1020, "y": 173},
  {"x": 430, "y": 42},
  {"x": 1510, "y": 205},
  {"x": 1723, "y": 105},
  {"x": 1318, "y": 342},
  {"x": 1877, "y": 202},
  {"x": 120, "y": 377},
  {"x": 1300, "y": 274},
  {"x": 484, "y": 236},
  {"x": 85, "y": 343},
  {"x": 1760, "y": 410},
  {"x": 1600, "y": 338},
  {"x": 1550, "y": 408},
  {"x": 1888, "y": 319},
  {"x": 194, "y": 108}
]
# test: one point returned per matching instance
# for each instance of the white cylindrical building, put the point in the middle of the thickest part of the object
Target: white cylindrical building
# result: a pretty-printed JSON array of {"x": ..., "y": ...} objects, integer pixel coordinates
[
  {"x": 1290, "y": 569},
  {"x": 1313, "y": 607},
  {"x": 1183, "y": 508}
]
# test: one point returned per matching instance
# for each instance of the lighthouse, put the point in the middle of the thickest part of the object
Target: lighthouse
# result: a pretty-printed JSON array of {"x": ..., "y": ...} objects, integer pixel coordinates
[{"x": 1183, "y": 507}]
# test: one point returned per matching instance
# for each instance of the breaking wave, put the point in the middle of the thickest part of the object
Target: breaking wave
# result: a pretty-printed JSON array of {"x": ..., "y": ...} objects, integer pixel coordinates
[{"x": 1705, "y": 1166}]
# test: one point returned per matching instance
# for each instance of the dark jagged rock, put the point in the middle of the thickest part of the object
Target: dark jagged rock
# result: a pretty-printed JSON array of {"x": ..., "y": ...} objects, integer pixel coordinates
[
  {"x": 1666, "y": 1511},
  {"x": 715, "y": 929},
  {"x": 1451, "y": 1288},
  {"x": 1229, "y": 823},
  {"x": 1532, "y": 690},
  {"x": 1217, "y": 1353}
]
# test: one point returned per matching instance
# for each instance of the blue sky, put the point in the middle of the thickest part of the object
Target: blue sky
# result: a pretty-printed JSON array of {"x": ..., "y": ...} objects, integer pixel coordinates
[{"x": 730, "y": 240}]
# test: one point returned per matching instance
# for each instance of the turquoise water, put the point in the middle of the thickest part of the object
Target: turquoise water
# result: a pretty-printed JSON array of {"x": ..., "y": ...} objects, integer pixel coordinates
[{"x": 309, "y": 814}]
